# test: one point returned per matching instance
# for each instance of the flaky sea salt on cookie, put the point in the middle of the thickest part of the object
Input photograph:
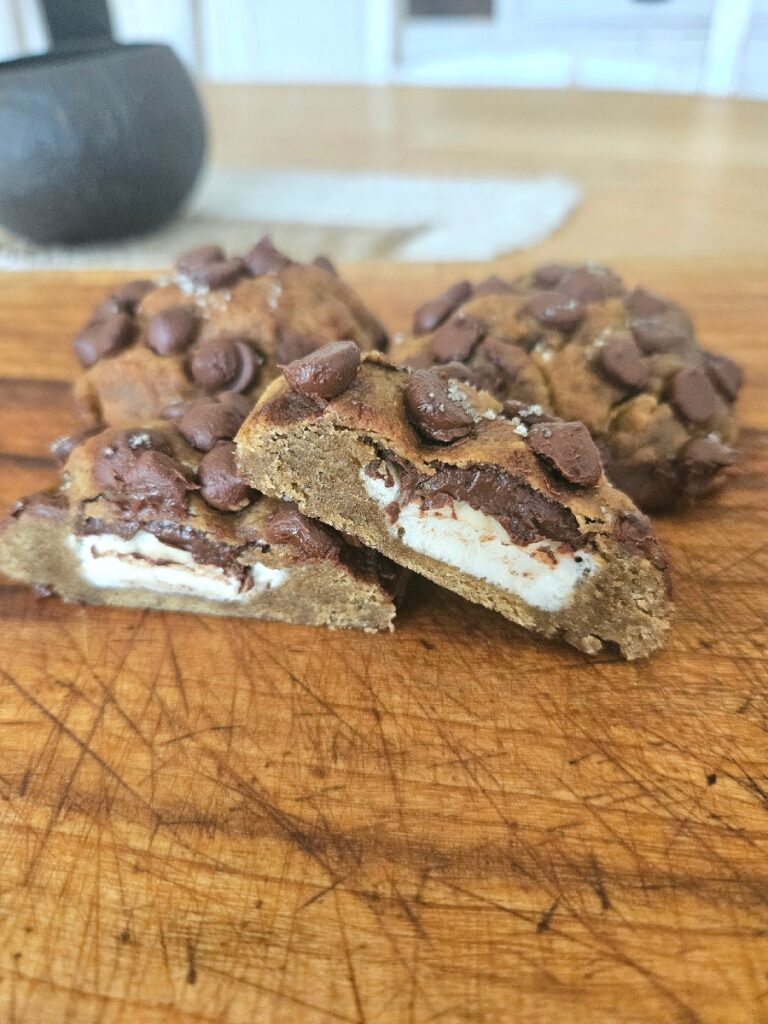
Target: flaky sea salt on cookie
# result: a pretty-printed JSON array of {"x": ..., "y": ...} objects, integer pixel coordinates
[
  {"x": 626, "y": 363},
  {"x": 217, "y": 327},
  {"x": 507, "y": 506}
]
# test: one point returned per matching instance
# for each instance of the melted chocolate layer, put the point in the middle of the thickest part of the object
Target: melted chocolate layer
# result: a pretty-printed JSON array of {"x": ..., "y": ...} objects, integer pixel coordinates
[
  {"x": 525, "y": 514},
  {"x": 358, "y": 559},
  {"x": 202, "y": 548},
  {"x": 177, "y": 535}
]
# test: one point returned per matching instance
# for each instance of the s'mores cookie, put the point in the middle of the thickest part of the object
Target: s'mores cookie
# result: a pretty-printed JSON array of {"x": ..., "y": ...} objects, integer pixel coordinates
[
  {"x": 505, "y": 505},
  {"x": 150, "y": 510},
  {"x": 143, "y": 519},
  {"x": 581, "y": 345}
]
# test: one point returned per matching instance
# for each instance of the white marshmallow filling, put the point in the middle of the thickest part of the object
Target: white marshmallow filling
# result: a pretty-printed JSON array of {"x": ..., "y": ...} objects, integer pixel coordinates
[
  {"x": 545, "y": 573},
  {"x": 146, "y": 563}
]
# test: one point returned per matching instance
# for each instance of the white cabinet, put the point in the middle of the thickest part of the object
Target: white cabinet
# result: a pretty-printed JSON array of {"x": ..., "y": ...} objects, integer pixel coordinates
[
  {"x": 613, "y": 44},
  {"x": 716, "y": 46}
]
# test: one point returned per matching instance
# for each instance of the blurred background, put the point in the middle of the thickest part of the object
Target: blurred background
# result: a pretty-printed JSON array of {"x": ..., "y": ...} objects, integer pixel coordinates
[
  {"x": 419, "y": 130},
  {"x": 717, "y": 47}
]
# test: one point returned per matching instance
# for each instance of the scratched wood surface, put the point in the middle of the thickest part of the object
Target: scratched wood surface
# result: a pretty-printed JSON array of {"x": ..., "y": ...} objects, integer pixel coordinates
[{"x": 221, "y": 821}]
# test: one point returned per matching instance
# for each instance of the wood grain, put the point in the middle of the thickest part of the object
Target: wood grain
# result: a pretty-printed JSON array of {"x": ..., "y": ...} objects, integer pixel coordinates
[{"x": 221, "y": 821}]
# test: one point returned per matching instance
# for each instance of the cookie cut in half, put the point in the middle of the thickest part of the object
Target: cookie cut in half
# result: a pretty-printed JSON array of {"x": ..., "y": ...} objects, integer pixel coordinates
[
  {"x": 507, "y": 506},
  {"x": 142, "y": 519},
  {"x": 579, "y": 343}
]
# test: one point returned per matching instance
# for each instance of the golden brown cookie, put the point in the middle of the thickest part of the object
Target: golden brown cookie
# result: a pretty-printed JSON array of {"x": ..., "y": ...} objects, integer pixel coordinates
[
  {"x": 507, "y": 506},
  {"x": 142, "y": 519},
  {"x": 576, "y": 342},
  {"x": 217, "y": 327}
]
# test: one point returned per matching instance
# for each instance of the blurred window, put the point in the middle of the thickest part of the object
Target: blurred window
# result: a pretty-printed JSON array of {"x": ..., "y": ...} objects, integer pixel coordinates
[{"x": 451, "y": 8}]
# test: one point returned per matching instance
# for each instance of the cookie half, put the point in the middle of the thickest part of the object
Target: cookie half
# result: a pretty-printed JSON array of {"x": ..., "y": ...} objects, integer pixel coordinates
[
  {"x": 142, "y": 519},
  {"x": 506, "y": 506}
]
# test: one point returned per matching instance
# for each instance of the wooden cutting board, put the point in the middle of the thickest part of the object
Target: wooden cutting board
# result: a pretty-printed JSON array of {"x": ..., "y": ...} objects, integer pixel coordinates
[{"x": 218, "y": 821}]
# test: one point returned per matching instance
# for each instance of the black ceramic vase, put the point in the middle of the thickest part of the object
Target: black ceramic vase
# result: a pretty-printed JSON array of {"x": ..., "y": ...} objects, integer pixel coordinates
[{"x": 97, "y": 140}]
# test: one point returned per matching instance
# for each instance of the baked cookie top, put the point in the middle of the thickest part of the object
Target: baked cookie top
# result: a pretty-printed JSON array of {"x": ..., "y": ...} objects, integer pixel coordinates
[
  {"x": 218, "y": 326},
  {"x": 580, "y": 344}
]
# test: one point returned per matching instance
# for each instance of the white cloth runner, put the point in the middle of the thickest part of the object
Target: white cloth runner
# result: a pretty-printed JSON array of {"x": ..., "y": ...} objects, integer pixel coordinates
[{"x": 347, "y": 216}]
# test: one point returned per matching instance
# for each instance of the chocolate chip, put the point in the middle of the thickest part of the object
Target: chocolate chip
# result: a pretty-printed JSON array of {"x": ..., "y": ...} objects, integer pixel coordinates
[
  {"x": 175, "y": 410},
  {"x": 706, "y": 455},
  {"x": 103, "y": 338},
  {"x": 217, "y": 274},
  {"x": 665, "y": 332},
  {"x": 215, "y": 363},
  {"x": 693, "y": 396},
  {"x": 239, "y": 403},
  {"x": 221, "y": 484},
  {"x": 456, "y": 371},
  {"x": 325, "y": 264},
  {"x": 431, "y": 314},
  {"x": 640, "y": 302},
  {"x": 555, "y": 309},
  {"x": 63, "y": 447},
  {"x": 205, "y": 423},
  {"x": 432, "y": 410},
  {"x": 527, "y": 414},
  {"x": 172, "y": 330},
  {"x": 549, "y": 275},
  {"x": 225, "y": 363},
  {"x": 159, "y": 481},
  {"x": 200, "y": 257},
  {"x": 312, "y": 540},
  {"x": 620, "y": 360},
  {"x": 509, "y": 358},
  {"x": 264, "y": 258},
  {"x": 633, "y": 526},
  {"x": 491, "y": 286},
  {"x": 456, "y": 339},
  {"x": 589, "y": 284},
  {"x": 294, "y": 345},
  {"x": 250, "y": 364},
  {"x": 325, "y": 373},
  {"x": 700, "y": 464},
  {"x": 119, "y": 452},
  {"x": 725, "y": 375},
  {"x": 138, "y": 474},
  {"x": 209, "y": 267},
  {"x": 653, "y": 485},
  {"x": 128, "y": 296},
  {"x": 569, "y": 448}
]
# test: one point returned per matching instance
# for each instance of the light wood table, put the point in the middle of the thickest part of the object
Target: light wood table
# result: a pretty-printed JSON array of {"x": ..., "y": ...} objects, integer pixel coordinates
[
  {"x": 665, "y": 177},
  {"x": 225, "y": 822}
]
